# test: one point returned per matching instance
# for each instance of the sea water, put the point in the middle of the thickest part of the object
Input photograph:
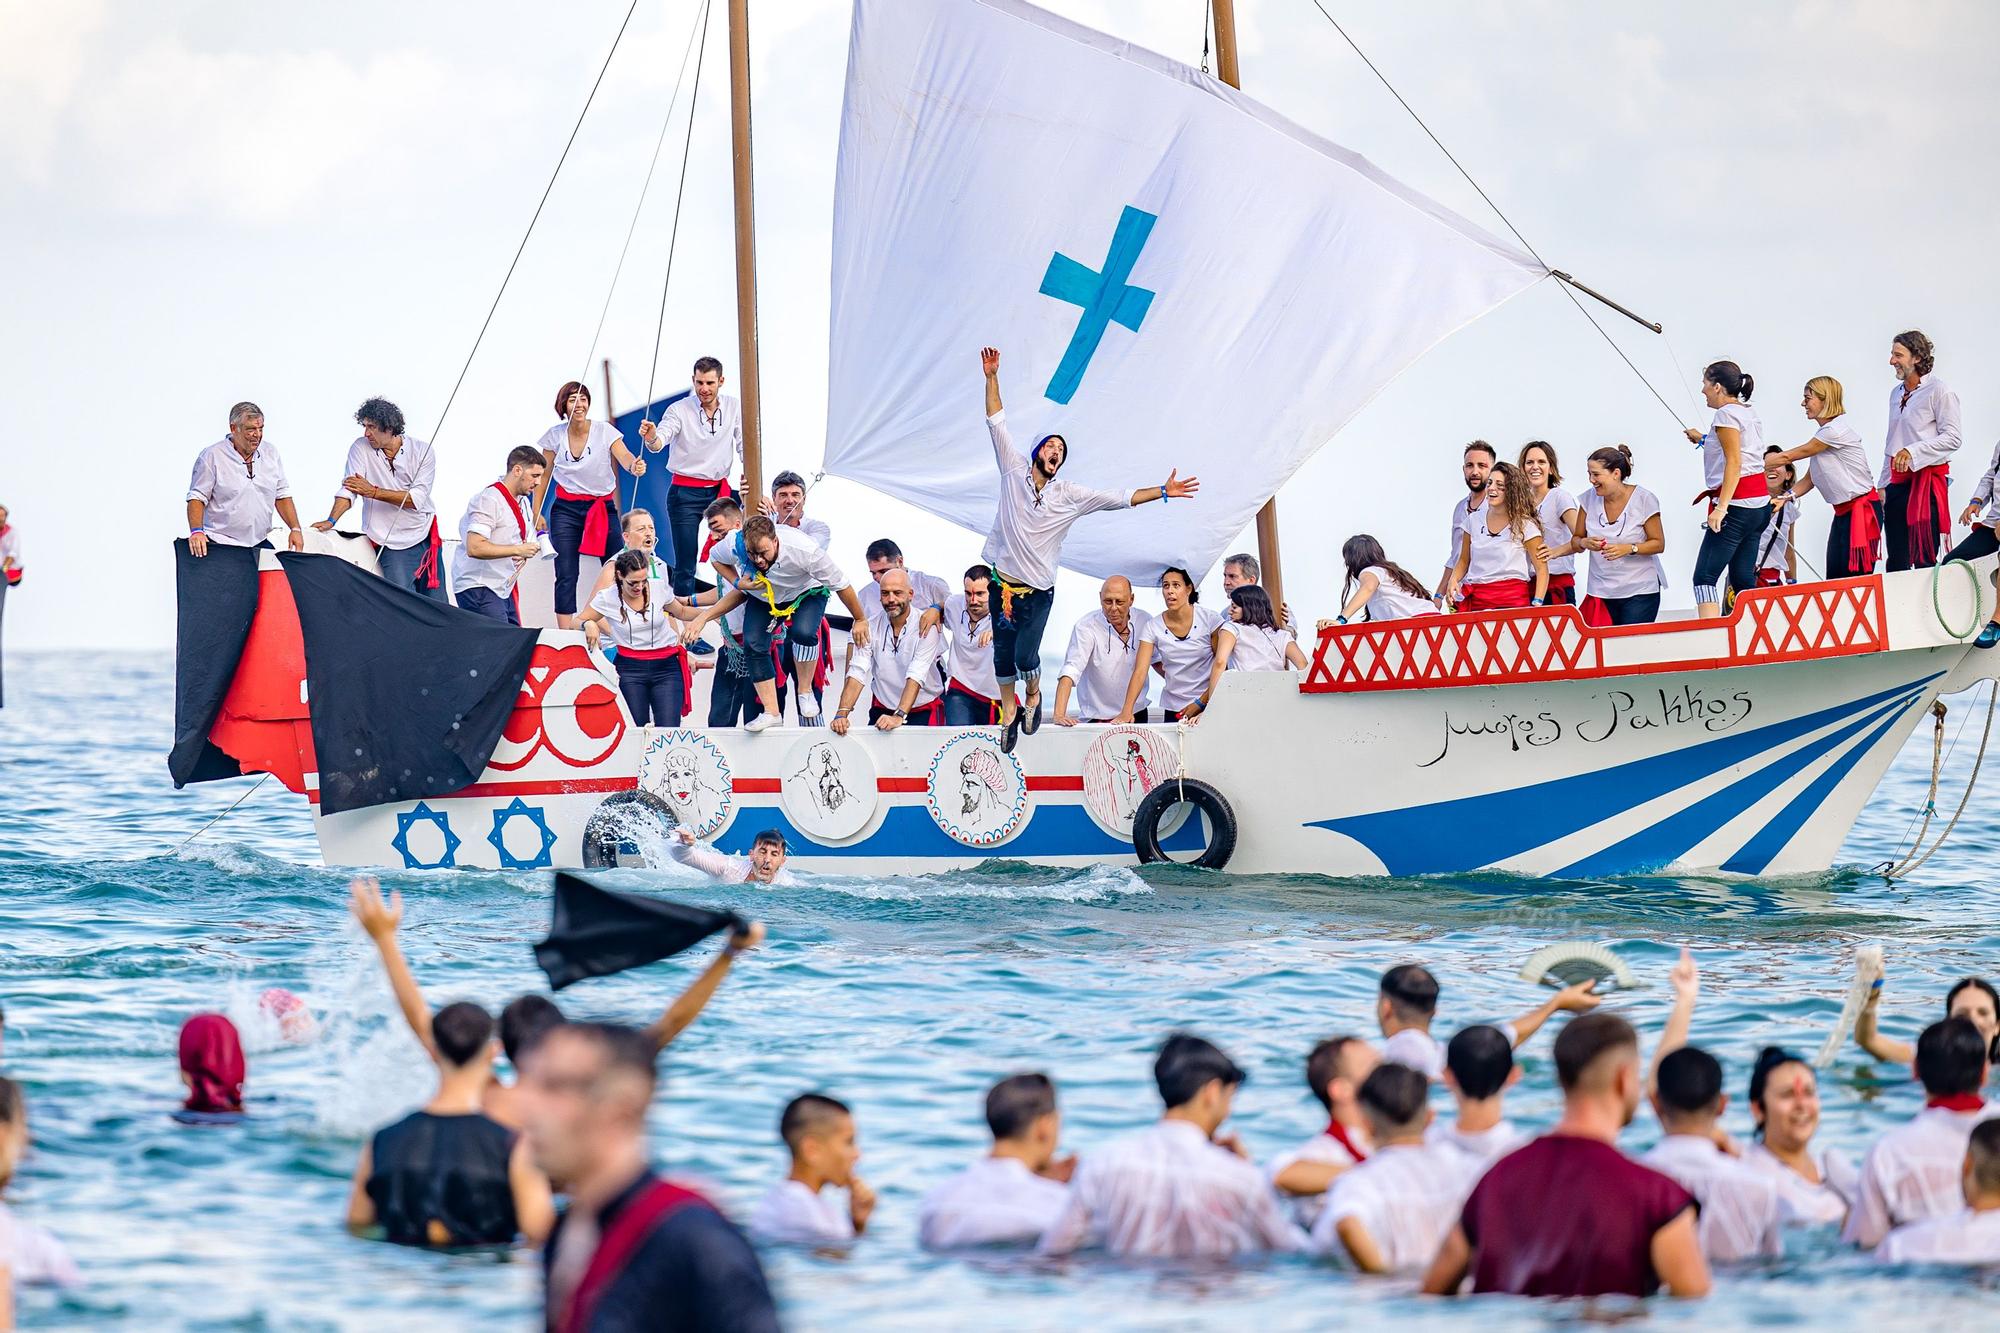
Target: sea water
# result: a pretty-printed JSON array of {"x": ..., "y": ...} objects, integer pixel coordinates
[{"x": 905, "y": 997}]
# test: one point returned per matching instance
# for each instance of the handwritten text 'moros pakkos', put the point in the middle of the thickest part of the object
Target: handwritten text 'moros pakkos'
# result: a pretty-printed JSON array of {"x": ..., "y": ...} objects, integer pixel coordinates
[{"x": 1613, "y": 711}]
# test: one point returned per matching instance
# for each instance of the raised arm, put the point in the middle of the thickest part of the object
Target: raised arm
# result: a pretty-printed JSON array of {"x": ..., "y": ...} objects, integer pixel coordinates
[
  {"x": 1173, "y": 488},
  {"x": 699, "y": 856},
  {"x": 1686, "y": 979},
  {"x": 687, "y": 1006},
  {"x": 989, "y": 362},
  {"x": 1886, "y": 1049},
  {"x": 380, "y": 916},
  {"x": 1569, "y": 1000}
]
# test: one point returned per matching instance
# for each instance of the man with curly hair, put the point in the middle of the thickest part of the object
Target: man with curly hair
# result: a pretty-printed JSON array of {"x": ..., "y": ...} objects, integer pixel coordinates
[{"x": 391, "y": 472}]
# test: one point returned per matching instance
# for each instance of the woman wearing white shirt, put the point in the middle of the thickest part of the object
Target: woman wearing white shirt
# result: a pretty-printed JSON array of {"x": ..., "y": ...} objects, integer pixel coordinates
[
  {"x": 1840, "y": 471},
  {"x": 584, "y": 457},
  {"x": 1501, "y": 560},
  {"x": 1253, "y": 641},
  {"x": 1555, "y": 510},
  {"x": 643, "y": 617},
  {"x": 1378, "y": 585},
  {"x": 1185, "y": 638},
  {"x": 1814, "y": 1185},
  {"x": 1619, "y": 524},
  {"x": 1732, "y": 460}
]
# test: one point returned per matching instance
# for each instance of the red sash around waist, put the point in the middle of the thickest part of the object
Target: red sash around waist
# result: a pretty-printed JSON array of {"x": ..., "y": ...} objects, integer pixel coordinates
[
  {"x": 1864, "y": 530},
  {"x": 662, "y": 655},
  {"x": 427, "y": 568},
  {"x": 1595, "y": 613},
  {"x": 1929, "y": 508},
  {"x": 615, "y": 1247},
  {"x": 957, "y": 686},
  {"x": 701, "y": 483},
  {"x": 923, "y": 715},
  {"x": 1494, "y": 595},
  {"x": 596, "y": 524},
  {"x": 1749, "y": 486}
]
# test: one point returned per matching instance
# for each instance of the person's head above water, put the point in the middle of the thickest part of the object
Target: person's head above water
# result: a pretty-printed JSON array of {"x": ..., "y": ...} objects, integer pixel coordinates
[
  {"x": 767, "y": 856},
  {"x": 1021, "y": 1113},
  {"x": 1196, "y": 1080},
  {"x": 820, "y": 1133},
  {"x": 463, "y": 1035},
  {"x": 1479, "y": 1063},
  {"x": 1688, "y": 1092},
  {"x": 1408, "y": 998},
  {"x": 1952, "y": 1058},
  {"x": 524, "y": 1022},
  {"x": 1395, "y": 1099},
  {"x": 1335, "y": 1071},
  {"x": 1597, "y": 1063},
  {"x": 1784, "y": 1099},
  {"x": 1974, "y": 998},
  {"x": 1980, "y": 1180},
  {"x": 211, "y": 1055},
  {"x": 585, "y": 1088}
]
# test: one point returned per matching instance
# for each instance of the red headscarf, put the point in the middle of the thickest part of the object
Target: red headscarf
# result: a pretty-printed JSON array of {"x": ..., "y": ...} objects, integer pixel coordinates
[{"x": 212, "y": 1059}]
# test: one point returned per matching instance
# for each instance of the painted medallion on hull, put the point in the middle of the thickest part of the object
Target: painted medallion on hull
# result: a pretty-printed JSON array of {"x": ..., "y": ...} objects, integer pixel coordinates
[
  {"x": 828, "y": 789},
  {"x": 1119, "y": 768},
  {"x": 977, "y": 795},
  {"x": 688, "y": 771}
]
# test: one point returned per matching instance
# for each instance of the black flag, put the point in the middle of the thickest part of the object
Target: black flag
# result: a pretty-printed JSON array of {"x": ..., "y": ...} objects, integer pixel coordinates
[
  {"x": 217, "y": 601},
  {"x": 595, "y": 932}
]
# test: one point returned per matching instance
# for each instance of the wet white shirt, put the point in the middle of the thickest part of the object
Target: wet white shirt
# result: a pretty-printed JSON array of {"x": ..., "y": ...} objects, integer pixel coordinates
[
  {"x": 1749, "y": 452},
  {"x": 33, "y": 1256},
  {"x": 487, "y": 514},
  {"x": 1482, "y": 1147},
  {"x": 1185, "y": 662},
  {"x": 1988, "y": 516},
  {"x": 1774, "y": 543},
  {"x": 1029, "y": 527},
  {"x": 596, "y": 472},
  {"x": 1741, "y": 1215},
  {"x": 801, "y": 566},
  {"x": 1927, "y": 425},
  {"x": 1842, "y": 471},
  {"x": 1963, "y": 1237},
  {"x": 1419, "y": 1050},
  {"x": 1554, "y": 513},
  {"x": 1631, "y": 575},
  {"x": 1390, "y": 602},
  {"x": 994, "y": 1201},
  {"x": 1099, "y": 663},
  {"x": 240, "y": 498},
  {"x": 1322, "y": 1148},
  {"x": 893, "y": 658},
  {"x": 1462, "y": 513},
  {"x": 791, "y": 1214},
  {"x": 926, "y": 591},
  {"x": 1258, "y": 648},
  {"x": 1499, "y": 555},
  {"x": 643, "y": 630},
  {"x": 1912, "y": 1173},
  {"x": 1804, "y": 1203},
  {"x": 1166, "y": 1192},
  {"x": 698, "y": 444},
  {"x": 1406, "y": 1196},
  {"x": 720, "y": 865},
  {"x": 414, "y": 470},
  {"x": 971, "y": 661}
]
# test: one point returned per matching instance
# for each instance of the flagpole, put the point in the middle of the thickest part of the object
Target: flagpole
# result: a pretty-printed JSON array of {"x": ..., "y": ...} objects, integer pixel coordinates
[
  {"x": 746, "y": 251},
  {"x": 1273, "y": 579}
]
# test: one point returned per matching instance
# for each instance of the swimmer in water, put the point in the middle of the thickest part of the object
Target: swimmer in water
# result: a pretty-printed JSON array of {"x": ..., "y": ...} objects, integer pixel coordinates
[
  {"x": 1390, "y": 1214},
  {"x": 1971, "y": 998},
  {"x": 529, "y": 1016},
  {"x": 1970, "y": 1236},
  {"x": 1335, "y": 1071},
  {"x": 1815, "y": 1185},
  {"x": 211, "y": 1055},
  {"x": 764, "y": 865},
  {"x": 1479, "y": 1068},
  {"x": 819, "y": 1132},
  {"x": 29, "y": 1255},
  {"x": 1409, "y": 1000}
]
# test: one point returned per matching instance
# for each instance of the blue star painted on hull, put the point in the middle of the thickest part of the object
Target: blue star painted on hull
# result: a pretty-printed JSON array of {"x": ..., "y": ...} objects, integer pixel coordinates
[
  {"x": 498, "y": 837},
  {"x": 421, "y": 815}
]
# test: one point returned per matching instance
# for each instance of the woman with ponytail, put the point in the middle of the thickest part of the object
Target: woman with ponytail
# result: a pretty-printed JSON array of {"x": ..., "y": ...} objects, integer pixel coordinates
[
  {"x": 1839, "y": 471},
  {"x": 1732, "y": 456},
  {"x": 1815, "y": 1185},
  {"x": 1619, "y": 525}
]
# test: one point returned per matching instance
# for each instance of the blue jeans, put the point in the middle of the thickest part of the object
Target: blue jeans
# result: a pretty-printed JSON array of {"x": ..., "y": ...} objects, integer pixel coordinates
[
  {"x": 488, "y": 603},
  {"x": 802, "y": 634},
  {"x": 962, "y": 710},
  {"x": 652, "y": 690},
  {"x": 400, "y": 568},
  {"x": 685, "y": 507},
  {"x": 1018, "y": 624},
  {"x": 729, "y": 691},
  {"x": 1733, "y": 549},
  {"x": 1642, "y": 609},
  {"x": 566, "y": 520}
]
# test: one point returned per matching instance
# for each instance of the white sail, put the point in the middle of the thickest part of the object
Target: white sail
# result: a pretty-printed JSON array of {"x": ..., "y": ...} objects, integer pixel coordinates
[{"x": 1176, "y": 275}]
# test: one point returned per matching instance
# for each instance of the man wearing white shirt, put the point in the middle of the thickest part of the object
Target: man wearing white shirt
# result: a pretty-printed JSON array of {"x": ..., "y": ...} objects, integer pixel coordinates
[
  {"x": 1479, "y": 1068},
  {"x": 1912, "y": 1172},
  {"x": 1923, "y": 434},
  {"x": 764, "y": 865},
  {"x": 1390, "y": 1213},
  {"x": 1742, "y": 1214},
  {"x": 819, "y": 1132},
  {"x": 1178, "y": 1189},
  {"x": 787, "y": 507},
  {"x": 781, "y": 576},
  {"x": 703, "y": 436},
  {"x": 237, "y": 482},
  {"x": 900, "y": 663},
  {"x": 1335, "y": 1071},
  {"x": 1024, "y": 549},
  {"x": 497, "y": 537},
  {"x": 1972, "y": 1234},
  {"x": 1408, "y": 1002},
  {"x": 391, "y": 473},
  {"x": 1013, "y": 1194},
  {"x": 1475, "y": 465},
  {"x": 971, "y": 695},
  {"x": 1098, "y": 666}
]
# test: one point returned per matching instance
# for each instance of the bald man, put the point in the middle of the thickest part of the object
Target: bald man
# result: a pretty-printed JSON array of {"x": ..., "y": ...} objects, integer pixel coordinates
[
  {"x": 1098, "y": 666},
  {"x": 901, "y": 662}
]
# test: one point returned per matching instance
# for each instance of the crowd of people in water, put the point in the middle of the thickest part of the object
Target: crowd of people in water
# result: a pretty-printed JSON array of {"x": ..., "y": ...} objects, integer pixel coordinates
[
  {"x": 925, "y": 650},
  {"x": 1419, "y": 1172}
]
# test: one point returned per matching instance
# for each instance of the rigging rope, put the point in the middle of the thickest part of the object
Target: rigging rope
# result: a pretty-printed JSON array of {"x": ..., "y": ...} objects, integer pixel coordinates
[
  {"x": 1580, "y": 307},
  {"x": 673, "y": 236},
  {"x": 219, "y": 818},
  {"x": 698, "y": 24},
  {"x": 1913, "y": 861},
  {"x": 542, "y": 203}
]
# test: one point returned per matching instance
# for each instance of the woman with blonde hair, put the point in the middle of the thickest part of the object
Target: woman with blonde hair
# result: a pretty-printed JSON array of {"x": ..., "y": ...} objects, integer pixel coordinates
[
  {"x": 1555, "y": 510},
  {"x": 1841, "y": 472},
  {"x": 1501, "y": 560}
]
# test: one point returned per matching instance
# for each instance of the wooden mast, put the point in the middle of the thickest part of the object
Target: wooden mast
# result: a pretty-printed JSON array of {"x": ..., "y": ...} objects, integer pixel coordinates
[
  {"x": 1273, "y": 579},
  {"x": 746, "y": 252}
]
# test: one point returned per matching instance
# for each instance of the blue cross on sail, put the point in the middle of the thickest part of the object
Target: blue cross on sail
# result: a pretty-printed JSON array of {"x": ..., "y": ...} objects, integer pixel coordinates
[{"x": 990, "y": 153}]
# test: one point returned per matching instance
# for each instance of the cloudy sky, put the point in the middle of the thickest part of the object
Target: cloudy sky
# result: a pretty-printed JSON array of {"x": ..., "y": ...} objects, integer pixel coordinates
[{"x": 307, "y": 205}]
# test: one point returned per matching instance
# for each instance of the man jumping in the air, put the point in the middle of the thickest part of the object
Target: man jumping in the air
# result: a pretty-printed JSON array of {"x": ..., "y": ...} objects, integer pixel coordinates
[{"x": 1034, "y": 515}]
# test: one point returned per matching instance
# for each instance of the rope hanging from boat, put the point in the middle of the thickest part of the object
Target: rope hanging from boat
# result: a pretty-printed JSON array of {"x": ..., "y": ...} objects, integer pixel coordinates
[
  {"x": 1978, "y": 599},
  {"x": 1563, "y": 281},
  {"x": 680, "y": 193},
  {"x": 1918, "y": 852},
  {"x": 224, "y": 815},
  {"x": 541, "y": 204}
]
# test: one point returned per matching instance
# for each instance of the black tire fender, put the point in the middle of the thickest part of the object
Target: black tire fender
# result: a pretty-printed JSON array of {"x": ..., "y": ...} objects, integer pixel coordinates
[
  {"x": 1153, "y": 808},
  {"x": 603, "y": 831}
]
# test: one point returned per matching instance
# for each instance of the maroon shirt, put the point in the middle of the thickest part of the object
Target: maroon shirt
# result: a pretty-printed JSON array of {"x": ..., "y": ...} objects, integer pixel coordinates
[{"x": 1568, "y": 1216}]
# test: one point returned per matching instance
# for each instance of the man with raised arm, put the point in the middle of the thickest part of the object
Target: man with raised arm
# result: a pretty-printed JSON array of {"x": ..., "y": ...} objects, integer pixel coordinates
[
  {"x": 764, "y": 865},
  {"x": 1035, "y": 513}
]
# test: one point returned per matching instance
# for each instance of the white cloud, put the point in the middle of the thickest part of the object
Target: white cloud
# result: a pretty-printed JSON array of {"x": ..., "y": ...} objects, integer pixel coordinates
[{"x": 42, "y": 63}]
